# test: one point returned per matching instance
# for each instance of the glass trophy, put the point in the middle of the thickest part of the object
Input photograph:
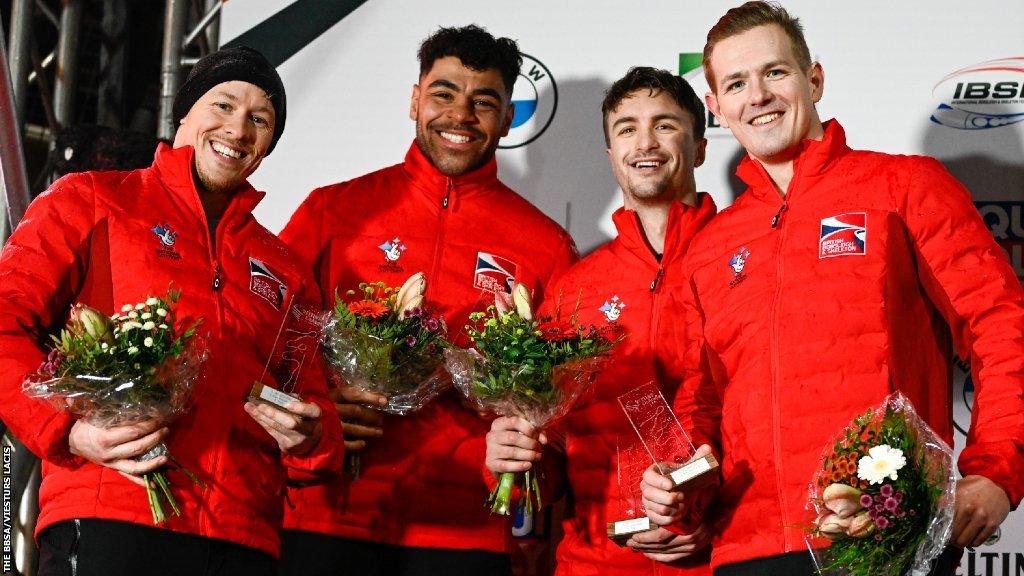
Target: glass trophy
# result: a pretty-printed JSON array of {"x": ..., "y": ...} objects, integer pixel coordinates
[
  {"x": 296, "y": 345},
  {"x": 631, "y": 459},
  {"x": 665, "y": 443}
]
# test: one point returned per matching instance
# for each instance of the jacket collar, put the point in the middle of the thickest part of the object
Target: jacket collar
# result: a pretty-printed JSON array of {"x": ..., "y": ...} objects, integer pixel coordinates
[
  {"x": 814, "y": 158},
  {"x": 683, "y": 224},
  {"x": 428, "y": 179},
  {"x": 173, "y": 167}
]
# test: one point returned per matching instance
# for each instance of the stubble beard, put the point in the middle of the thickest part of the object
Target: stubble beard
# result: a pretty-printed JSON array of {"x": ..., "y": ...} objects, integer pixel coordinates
[
  {"x": 214, "y": 186},
  {"x": 451, "y": 164},
  {"x": 647, "y": 191}
]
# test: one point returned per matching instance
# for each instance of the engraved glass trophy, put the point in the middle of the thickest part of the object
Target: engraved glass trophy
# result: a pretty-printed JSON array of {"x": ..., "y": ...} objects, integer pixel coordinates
[
  {"x": 631, "y": 459},
  {"x": 666, "y": 444},
  {"x": 296, "y": 345}
]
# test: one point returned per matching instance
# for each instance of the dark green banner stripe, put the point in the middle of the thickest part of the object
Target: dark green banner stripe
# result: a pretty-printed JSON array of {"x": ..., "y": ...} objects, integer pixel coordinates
[{"x": 293, "y": 28}]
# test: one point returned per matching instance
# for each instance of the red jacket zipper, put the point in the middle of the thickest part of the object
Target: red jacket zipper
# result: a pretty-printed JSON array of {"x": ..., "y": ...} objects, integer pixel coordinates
[
  {"x": 439, "y": 243},
  {"x": 776, "y": 225}
]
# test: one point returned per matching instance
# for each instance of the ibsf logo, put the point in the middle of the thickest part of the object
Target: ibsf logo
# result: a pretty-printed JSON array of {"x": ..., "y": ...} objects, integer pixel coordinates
[
  {"x": 535, "y": 97},
  {"x": 987, "y": 95}
]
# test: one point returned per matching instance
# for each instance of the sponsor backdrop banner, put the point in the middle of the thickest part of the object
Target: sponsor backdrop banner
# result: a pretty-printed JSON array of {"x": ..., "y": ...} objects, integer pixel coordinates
[{"x": 945, "y": 79}]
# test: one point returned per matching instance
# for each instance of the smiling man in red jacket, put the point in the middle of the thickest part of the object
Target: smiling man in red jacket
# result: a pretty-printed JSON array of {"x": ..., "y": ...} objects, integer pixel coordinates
[
  {"x": 105, "y": 239},
  {"x": 838, "y": 277},
  {"x": 416, "y": 506},
  {"x": 654, "y": 128}
]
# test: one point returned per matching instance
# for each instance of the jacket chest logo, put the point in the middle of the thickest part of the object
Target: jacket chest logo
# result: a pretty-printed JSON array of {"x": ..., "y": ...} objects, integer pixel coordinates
[
  {"x": 494, "y": 273},
  {"x": 843, "y": 235},
  {"x": 166, "y": 237},
  {"x": 392, "y": 250},
  {"x": 612, "y": 308},
  {"x": 265, "y": 284},
  {"x": 738, "y": 262}
]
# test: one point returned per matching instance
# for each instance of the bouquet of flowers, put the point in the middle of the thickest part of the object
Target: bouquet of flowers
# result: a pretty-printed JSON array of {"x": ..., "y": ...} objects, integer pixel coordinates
[
  {"x": 386, "y": 341},
  {"x": 128, "y": 368},
  {"x": 883, "y": 495},
  {"x": 534, "y": 369}
]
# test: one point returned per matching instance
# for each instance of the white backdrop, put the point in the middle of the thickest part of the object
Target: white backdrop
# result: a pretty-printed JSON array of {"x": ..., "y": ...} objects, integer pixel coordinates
[{"x": 889, "y": 67}]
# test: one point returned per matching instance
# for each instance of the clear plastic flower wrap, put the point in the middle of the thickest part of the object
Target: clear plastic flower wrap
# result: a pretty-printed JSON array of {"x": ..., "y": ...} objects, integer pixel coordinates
[
  {"x": 125, "y": 369},
  {"x": 125, "y": 398},
  {"x": 883, "y": 497},
  {"x": 538, "y": 396},
  {"x": 384, "y": 340},
  {"x": 409, "y": 377}
]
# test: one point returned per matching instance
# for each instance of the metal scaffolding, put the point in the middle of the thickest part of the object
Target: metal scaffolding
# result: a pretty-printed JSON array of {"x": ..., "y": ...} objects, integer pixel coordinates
[
  {"x": 13, "y": 180},
  {"x": 20, "y": 64},
  {"x": 66, "y": 83},
  {"x": 175, "y": 43},
  {"x": 110, "y": 99}
]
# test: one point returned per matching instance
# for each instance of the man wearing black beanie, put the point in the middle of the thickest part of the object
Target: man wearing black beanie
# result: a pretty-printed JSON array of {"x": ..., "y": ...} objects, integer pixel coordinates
[
  {"x": 109, "y": 239},
  {"x": 238, "y": 63}
]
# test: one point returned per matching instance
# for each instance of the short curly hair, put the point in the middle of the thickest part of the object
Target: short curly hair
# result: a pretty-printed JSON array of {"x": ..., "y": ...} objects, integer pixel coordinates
[
  {"x": 476, "y": 48},
  {"x": 655, "y": 80}
]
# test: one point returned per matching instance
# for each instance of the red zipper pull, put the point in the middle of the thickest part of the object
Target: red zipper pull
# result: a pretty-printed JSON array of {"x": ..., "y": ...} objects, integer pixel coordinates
[
  {"x": 216, "y": 277},
  {"x": 657, "y": 278},
  {"x": 778, "y": 216},
  {"x": 447, "y": 194}
]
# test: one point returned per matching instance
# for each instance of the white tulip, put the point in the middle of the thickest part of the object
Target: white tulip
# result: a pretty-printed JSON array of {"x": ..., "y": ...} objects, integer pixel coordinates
[
  {"x": 416, "y": 285},
  {"x": 523, "y": 301}
]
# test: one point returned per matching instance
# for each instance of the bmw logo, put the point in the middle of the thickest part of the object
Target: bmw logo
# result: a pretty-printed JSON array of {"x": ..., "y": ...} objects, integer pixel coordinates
[{"x": 535, "y": 97}]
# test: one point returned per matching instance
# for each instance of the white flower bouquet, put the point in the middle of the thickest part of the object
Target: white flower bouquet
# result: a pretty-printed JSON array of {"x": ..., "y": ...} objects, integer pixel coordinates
[
  {"x": 130, "y": 367},
  {"x": 883, "y": 497}
]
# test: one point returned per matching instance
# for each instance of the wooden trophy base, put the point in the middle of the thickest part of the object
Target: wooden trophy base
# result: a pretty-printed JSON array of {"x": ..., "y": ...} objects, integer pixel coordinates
[
  {"x": 696, "y": 473},
  {"x": 619, "y": 532},
  {"x": 260, "y": 392}
]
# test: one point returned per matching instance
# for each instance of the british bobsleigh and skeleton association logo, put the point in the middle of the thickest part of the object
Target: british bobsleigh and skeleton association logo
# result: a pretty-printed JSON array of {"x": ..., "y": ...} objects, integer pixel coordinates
[
  {"x": 266, "y": 284},
  {"x": 494, "y": 273},
  {"x": 843, "y": 235}
]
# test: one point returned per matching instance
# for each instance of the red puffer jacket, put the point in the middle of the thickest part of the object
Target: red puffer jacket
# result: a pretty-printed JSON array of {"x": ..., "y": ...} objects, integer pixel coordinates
[
  {"x": 621, "y": 282},
  {"x": 420, "y": 484},
  {"x": 815, "y": 306},
  {"x": 91, "y": 239}
]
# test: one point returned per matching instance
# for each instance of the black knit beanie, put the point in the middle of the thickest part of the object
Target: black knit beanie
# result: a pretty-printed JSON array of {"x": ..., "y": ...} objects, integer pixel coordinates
[{"x": 227, "y": 64}]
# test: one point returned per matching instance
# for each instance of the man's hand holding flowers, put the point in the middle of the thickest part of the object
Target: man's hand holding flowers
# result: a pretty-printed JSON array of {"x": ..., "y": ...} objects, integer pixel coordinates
[
  {"x": 513, "y": 445},
  {"x": 120, "y": 446},
  {"x": 296, "y": 427},
  {"x": 358, "y": 423}
]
